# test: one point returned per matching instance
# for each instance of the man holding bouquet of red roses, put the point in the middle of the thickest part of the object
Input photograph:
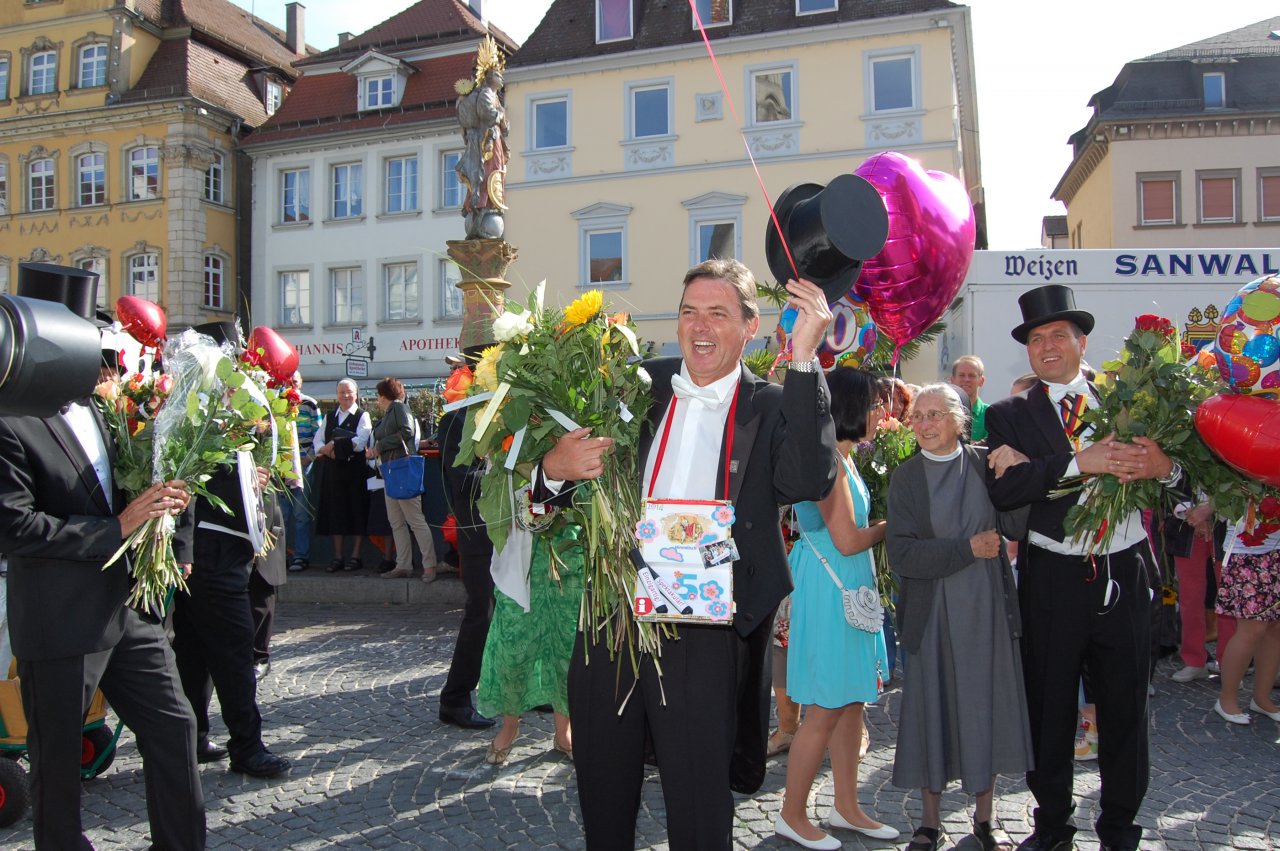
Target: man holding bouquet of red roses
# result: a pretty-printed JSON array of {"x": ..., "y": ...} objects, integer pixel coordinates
[{"x": 1080, "y": 612}]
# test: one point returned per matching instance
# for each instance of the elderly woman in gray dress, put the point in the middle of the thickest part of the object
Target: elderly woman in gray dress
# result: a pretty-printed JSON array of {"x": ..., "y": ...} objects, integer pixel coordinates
[{"x": 964, "y": 714}]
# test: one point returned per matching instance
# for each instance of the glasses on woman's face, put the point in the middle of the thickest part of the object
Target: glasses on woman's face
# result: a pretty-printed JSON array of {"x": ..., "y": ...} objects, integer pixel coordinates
[{"x": 929, "y": 416}]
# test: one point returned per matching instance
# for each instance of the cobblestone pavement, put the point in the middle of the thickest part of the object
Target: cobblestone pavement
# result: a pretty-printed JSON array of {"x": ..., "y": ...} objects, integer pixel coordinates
[{"x": 351, "y": 700}]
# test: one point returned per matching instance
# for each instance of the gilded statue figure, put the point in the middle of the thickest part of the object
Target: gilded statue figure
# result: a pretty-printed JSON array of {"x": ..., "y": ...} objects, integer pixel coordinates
[{"x": 482, "y": 168}]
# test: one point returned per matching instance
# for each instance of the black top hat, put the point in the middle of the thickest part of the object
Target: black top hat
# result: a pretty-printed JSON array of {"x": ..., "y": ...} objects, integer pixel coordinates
[
  {"x": 830, "y": 230},
  {"x": 221, "y": 332},
  {"x": 1046, "y": 304},
  {"x": 74, "y": 287}
]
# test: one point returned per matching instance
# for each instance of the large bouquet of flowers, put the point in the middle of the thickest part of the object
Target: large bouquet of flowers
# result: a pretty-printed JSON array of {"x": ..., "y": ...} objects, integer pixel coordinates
[
  {"x": 1151, "y": 390},
  {"x": 550, "y": 372},
  {"x": 876, "y": 459}
]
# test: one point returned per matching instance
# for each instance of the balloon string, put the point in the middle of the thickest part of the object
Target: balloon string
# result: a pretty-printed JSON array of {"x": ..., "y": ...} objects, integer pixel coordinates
[{"x": 724, "y": 87}]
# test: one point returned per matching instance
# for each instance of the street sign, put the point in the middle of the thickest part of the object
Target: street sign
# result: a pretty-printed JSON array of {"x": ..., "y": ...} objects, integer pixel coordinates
[{"x": 357, "y": 368}]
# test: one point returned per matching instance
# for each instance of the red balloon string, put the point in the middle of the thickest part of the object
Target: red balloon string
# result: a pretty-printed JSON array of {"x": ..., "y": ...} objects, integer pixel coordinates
[{"x": 724, "y": 87}]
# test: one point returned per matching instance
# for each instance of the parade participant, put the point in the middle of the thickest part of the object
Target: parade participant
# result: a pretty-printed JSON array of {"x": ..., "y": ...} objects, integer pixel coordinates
[
  {"x": 342, "y": 503},
  {"x": 61, "y": 519},
  {"x": 1077, "y": 611},
  {"x": 778, "y": 448}
]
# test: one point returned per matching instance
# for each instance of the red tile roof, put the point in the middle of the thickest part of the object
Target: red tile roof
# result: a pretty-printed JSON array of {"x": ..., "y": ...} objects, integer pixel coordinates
[
  {"x": 187, "y": 68},
  {"x": 225, "y": 22},
  {"x": 324, "y": 104}
]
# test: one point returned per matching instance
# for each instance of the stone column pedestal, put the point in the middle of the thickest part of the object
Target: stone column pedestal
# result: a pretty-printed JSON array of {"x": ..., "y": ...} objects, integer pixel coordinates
[{"x": 483, "y": 264}]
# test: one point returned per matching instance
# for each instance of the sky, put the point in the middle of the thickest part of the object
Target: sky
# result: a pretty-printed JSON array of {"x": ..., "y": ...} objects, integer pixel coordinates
[{"x": 1037, "y": 65}]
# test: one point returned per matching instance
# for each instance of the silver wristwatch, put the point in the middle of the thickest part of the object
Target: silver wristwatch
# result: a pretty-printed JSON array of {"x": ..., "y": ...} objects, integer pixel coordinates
[{"x": 810, "y": 365}]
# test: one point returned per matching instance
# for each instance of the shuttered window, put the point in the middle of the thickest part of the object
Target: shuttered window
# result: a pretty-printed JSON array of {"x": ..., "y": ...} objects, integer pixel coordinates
[
  {"x": 1217, "y": 200},
  {"x": 1158, "y": 201}
]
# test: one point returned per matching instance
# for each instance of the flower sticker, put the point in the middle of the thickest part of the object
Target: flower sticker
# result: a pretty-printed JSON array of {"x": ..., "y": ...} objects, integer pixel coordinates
[
  {"x": 718, "y": 610},
  {"x": 723, "y": 515},
  {"x": 646, "y": 530},
  {"x": 711, "y": 590}
]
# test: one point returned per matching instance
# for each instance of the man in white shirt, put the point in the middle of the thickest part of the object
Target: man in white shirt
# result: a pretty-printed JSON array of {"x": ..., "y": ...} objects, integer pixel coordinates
[
  {"x": 1078, "y": 613},
  {"x": 707, "y": 714}
]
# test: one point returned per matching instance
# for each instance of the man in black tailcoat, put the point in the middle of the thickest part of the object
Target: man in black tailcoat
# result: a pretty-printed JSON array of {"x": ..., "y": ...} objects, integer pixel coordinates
[
  {"x": 61, "y": 519},
  {"x": 1077, "y": 611},
  {"x": 708, "y": 715}
]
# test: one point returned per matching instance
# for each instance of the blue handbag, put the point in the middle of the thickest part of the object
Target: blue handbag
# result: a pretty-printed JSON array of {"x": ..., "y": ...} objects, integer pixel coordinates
[{"x": 404, "y": 476}]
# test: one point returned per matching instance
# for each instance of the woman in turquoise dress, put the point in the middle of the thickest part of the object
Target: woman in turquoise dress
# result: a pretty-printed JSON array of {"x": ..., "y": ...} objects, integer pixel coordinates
[
  {"x": 834, "y": 668},
  {"x": 526, "y": 656}
]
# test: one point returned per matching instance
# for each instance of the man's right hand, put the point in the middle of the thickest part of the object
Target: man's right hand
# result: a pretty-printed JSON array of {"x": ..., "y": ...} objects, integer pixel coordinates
[
  {"x": 156, "y": 501},
  {"x": 576, "y": 456}
]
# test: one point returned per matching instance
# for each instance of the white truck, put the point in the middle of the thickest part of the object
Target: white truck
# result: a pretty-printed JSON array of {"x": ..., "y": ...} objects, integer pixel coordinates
[{"x": 1188, "y": 286}]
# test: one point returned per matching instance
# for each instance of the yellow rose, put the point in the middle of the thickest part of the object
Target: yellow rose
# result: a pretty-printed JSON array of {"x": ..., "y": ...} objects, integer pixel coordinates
[
  {"x": 584, "y": 308},
  {"x": 486, "y": 376}
]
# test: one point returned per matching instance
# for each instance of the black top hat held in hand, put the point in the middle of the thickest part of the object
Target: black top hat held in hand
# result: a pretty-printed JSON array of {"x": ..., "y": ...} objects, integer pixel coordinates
[
  {"x": 830, "y": 230},
  {"x": 1050, "y": 303},
  {"x": 68, "y": 285}
]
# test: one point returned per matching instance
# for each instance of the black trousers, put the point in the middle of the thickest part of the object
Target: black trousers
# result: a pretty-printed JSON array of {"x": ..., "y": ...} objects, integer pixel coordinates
[
  {"x": 1070, "y": 624},
  {"x": 262, "y": 603},
  {"x": 692, "y": 717},
  {"x": 468, "y": 651},
  {"x": 213, "y": 640},
  {"x": 140, "y": 683}
]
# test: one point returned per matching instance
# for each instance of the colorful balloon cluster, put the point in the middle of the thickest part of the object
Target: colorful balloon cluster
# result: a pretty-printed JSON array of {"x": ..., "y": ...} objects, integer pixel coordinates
[
  {"x": 1247, "y": 345},
  {"x": 852, "y": 337}
]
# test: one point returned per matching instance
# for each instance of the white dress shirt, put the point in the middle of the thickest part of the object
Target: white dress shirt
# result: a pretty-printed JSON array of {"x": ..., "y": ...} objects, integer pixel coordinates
[
  {"x": 85, "y": 428},
  {"x": 690, "y": 467}
]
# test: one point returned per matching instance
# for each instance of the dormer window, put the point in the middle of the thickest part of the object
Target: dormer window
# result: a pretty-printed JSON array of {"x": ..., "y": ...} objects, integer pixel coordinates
[
  {"x": 380, "y": 80},
  {"x": 714, "y": 13},
  {"x": 1215, "y": 90},
  {"x": 274, "y": 97},
  {"x": 613, "y": 20}
]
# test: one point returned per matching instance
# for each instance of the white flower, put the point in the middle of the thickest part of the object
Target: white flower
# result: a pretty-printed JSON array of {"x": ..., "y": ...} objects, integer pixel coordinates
[
  {"x": 511, "y": 325},
  {"x": 643, "y": 375}
]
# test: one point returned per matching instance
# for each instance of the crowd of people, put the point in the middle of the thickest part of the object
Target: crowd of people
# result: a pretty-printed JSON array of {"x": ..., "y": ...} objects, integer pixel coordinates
[{"x": 1000, "y": 624}]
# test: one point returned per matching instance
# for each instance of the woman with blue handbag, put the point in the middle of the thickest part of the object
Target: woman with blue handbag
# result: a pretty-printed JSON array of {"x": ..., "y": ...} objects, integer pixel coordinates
[{"x": 395, "y": 446}]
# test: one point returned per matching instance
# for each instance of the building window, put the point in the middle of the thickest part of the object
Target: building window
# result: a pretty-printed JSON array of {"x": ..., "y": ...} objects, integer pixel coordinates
[
  {"x": 213, "y": 282},
  {"x": 402, "y": 184},
  {"x": 1268, "y": 194},
  {"x": 401, "y": 281},
  {"x": 1218, "y": 197},
  {"x": 274, "y": 97},
  {"x": 772, "y": 92},
  {"x": 716, "y": 239},
  {"x": 550, "y": 123},
  {"x": 348, "y": 191},
  {"x": 892, "y": 83},
  {"x": 144, "y": 276},
  {"x": 4, "y": 275},
  {"x": 215, "y": 177},
  {"x": 4, "y": 77},
  {"x": 450, "y": 295},
  {"x": 43, "y": 76},
  {"x": 93, "y": 65},
  {"x": 378, "y": 91},
  {"x": 1158, "y": 199},
  {"x": 295, "y": 298},
  {"x": 613, "y": 20},
  {"x": 451, "y": 189},
  {"x": 144, "y": 174},
  {"x": 91, "y": 176},
  {"x": 98, "y": 266},
  {"x": 714, "y": 12},
  {"x": 4, "y": 187},
  {"x": 295, "y": 195},
  {"x": 1215, "y": 90},
  {"x": 808, "y": 7},
  {"x": 650, "y": 112},
  {"x": 346, "y": 294},
  {"x": 604, "y": 256},
  {"x": 41, "y": 195}
]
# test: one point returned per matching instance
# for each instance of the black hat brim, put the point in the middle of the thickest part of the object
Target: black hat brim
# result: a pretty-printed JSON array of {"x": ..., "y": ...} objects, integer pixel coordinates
[
  {"x": 834, "y": 287},
  {"x": 1080, "y": 318}
]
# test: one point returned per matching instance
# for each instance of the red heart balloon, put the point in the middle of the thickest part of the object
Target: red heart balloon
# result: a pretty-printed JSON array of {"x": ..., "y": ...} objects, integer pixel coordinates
[
  {"x": 144, "y": 320},
  {"x": 279, "y": 359},
  {"x": 912, "y": 281},
  {"x": 1243, "y": 431}
]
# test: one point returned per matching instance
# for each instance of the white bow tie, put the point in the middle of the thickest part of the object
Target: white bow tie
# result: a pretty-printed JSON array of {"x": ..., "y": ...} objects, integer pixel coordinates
[
  {"x": 1058, "y": 392},
  {"x": 686, "y": 389}
]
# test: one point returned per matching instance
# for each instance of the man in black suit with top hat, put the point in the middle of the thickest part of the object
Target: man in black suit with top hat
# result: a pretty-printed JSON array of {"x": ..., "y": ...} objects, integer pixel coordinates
[
  {"x": 61, "y": 519},
  {"x": 1077, "y": 612}
]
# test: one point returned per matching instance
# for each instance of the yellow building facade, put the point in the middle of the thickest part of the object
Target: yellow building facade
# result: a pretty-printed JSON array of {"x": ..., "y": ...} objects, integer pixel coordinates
[
  {"x": 664, "y": 192},
  {"x": 118, "y": 124}
]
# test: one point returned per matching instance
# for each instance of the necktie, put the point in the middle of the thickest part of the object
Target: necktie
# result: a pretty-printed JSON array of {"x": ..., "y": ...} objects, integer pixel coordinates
[
  {"x": 686, "y": 389},
  {"x": 1072, "y": 407}
]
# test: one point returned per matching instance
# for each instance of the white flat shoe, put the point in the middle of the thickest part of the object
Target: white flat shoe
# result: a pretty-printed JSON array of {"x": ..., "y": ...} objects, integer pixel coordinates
[
  {"x": 1234, "y": 718},
  {"x": 881, "y": 832},
  {"x": 1253, "y": 704},
  {"x": 826, "y": 843}
]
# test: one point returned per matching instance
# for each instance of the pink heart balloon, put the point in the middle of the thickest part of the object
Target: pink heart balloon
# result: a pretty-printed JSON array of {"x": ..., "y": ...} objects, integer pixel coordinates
[
  {"x": 912, "y": 281},
  {"x": 143, "y": 320},
  {"x": 279, "y": 358}
]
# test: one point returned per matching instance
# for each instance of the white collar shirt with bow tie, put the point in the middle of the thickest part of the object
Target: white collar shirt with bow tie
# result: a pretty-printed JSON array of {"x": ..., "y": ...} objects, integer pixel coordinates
[
  {"x": 1130, "y": 531},
  {"x": 690, "y": 466}
]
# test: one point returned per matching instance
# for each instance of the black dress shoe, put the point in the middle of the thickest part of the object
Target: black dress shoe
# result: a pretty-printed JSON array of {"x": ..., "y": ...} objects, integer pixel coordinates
[
  {"x": 207, "y": 751},
  {"x": 1046, "y": 842},
  {"x": 261, "y": 669},
  {"x": 262, "y": 764},
  {"x": 465, "y": 717}
]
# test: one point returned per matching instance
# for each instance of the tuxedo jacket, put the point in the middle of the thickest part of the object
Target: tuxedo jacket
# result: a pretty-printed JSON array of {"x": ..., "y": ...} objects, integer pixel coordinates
[
  {"x": 57, "y": 530},
  {"x": 1030, "y": 423},
  {"x": 783, "y": 452}
]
